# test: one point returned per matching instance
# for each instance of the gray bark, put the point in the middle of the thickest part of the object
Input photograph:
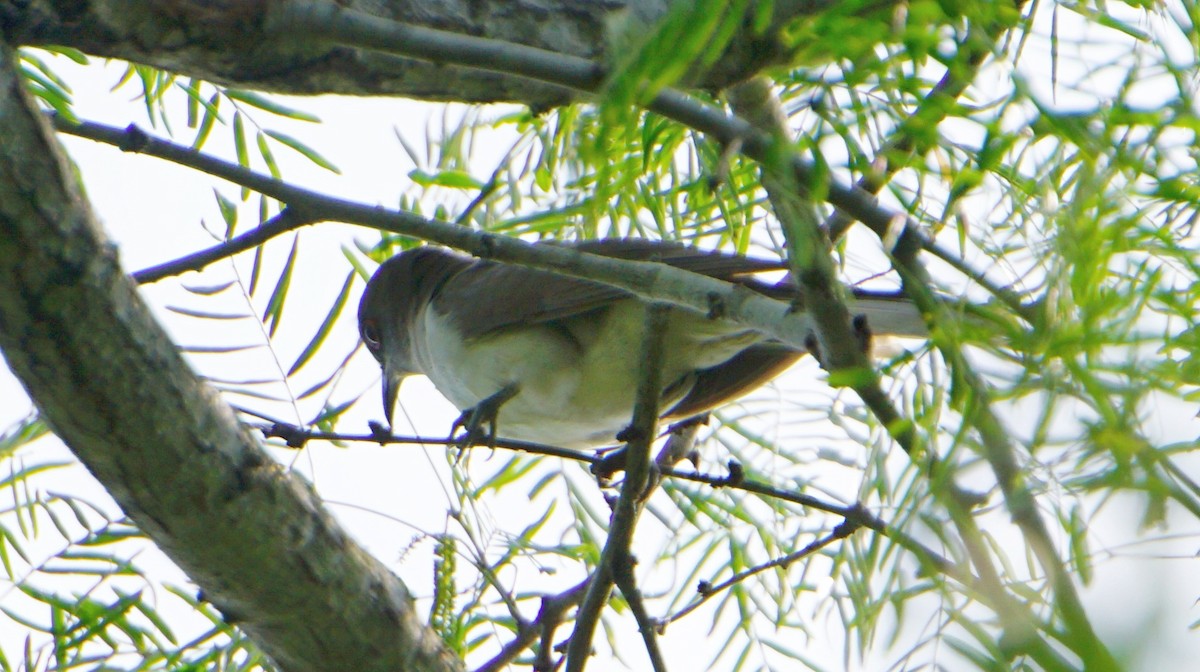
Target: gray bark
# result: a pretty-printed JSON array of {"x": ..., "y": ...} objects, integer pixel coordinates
[
  {"x": 112, "y": 385},
  {"x": 227, "y": 42}
]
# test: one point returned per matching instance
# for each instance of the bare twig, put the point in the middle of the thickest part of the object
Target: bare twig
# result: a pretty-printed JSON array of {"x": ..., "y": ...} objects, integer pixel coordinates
[
  {"x": 331, "y": 22},
  {"x": 288, "y": 219},
  {"x": 624, "y": 577},
  {"x": 931, "y": 562},
  {"x": 707, "y": 589},
  {"x": 551, "y": 614},
  {"x": 629, "y": 504}
]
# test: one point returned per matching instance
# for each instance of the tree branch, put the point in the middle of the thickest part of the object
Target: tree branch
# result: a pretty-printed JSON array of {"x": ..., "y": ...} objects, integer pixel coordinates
[
  {"x": 227, "y": 43},
  {"x": 115, "y": 389},
  {"x": 287, "y": 220},
  {"x": 707, "y": 589},
  {"x": 326, "y": 20},
  {"x": 640, "y": 436},
  {"x": 551, "y": 614},
  {"x": 651, "y": 281}
]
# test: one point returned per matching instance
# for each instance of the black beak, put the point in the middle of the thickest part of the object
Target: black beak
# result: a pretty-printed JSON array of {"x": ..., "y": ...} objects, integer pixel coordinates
[{"x": 391, "y": 388}]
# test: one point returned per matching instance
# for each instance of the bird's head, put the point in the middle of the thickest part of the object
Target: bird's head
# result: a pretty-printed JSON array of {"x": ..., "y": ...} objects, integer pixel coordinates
[{"x": 392, "y": 306}]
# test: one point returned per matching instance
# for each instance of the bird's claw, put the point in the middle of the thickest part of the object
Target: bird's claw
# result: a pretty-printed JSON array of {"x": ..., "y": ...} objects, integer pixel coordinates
[{"x": 473, "y": 420}]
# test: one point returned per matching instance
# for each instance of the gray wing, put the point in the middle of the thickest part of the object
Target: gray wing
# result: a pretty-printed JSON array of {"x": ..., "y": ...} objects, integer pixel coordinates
[{"x": 518, "y": 295}]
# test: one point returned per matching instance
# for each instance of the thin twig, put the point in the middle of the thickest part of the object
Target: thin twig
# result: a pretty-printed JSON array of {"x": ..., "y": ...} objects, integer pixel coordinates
[
  {"x": 551, "y": 614},
  {"x": 334, "y": 23},
  {"x": 706, "y": 589},
  {"x": 288, "y": 219},
  {"x": 626, "y": 581},
  {"x": 735, "y": 480},
  {"x": 629, "y": 504}
]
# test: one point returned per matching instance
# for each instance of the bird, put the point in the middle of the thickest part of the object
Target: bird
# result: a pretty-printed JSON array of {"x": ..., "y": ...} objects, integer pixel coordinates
[{"x": 551, "y": 359}]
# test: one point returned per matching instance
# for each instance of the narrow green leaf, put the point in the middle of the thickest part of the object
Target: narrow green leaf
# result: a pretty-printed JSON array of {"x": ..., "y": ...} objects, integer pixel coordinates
[
  {"x": 274, "y": 312},
  {"x": 192, "y": 89},
  {"x": 70, "y": 52},
  {"x": 239, "y": 140},
  {"x": 323, "y": 331},
  {"x": 305, "y": 150},
  {"x": 246, "y": 392},
  {"x": 264, "y": 150},
  {"x": 208, "y": 315},
  {"x": 23, "y": 432},
  {"x": 210, "y": 117},
  {"x": 455, "y": 179},
  {"x": 256, "y": 269},
  {"x": 274, "y": 107},
  {"x": 229, "y": 213},
  {"x": 331, "y": 413},
  {"x": 209, "y": 290},
  {"x": 217, "y": 349}
]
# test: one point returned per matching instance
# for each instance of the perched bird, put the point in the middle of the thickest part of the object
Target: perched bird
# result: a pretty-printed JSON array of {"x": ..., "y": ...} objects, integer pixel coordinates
[{"x": 554, "y": 360}]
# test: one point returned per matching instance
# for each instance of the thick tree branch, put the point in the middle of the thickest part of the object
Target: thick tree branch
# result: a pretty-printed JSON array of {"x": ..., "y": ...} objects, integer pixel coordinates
[
  {"x": 114, "y": 388},
  {"x": 229, "y": 43}
]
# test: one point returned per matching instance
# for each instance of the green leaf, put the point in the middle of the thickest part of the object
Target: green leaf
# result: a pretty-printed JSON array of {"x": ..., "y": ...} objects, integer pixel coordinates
[
  {"x": 239, "y": 140},
  {"x": 23, "y": 432},
  {"x": 209, "y": 290},
  {"x": 229, "y": 213},
  {"x": 305, "y": 150},
  {"x": 264, "y": 150},
  {"x": 207, "y": 315},
  {"x": 263, "y": 103},
  {"x": 455, "y": 179},
  {"x": 335, "y": 311},
  {"x": 274, "y": 312}
]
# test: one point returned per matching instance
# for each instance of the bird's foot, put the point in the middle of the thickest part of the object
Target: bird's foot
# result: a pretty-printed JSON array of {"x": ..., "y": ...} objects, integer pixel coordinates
[{"x": 473, "y": 420}]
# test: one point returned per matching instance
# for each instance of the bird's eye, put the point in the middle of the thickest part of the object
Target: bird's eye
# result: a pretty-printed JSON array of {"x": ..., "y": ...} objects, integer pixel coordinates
[{"x": 370, "y": 334}]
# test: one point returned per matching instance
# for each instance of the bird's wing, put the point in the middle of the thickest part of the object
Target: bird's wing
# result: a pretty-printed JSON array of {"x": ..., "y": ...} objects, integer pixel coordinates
[
  {"x": 747, "y": 370},
  {"x": 529, "y": 296}
]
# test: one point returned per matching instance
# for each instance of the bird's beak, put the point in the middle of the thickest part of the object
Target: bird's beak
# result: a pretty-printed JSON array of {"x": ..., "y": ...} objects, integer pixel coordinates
[{"x": 391, "y": 388}]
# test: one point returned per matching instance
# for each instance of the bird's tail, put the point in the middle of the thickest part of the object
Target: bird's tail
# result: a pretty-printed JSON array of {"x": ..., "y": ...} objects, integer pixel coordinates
[{"x": 889, "y": 314}]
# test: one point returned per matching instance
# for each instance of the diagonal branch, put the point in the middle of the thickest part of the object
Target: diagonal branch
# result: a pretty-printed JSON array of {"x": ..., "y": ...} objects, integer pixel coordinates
[
  {"x": 706, "y": 590},
  {"x": 813, "y": 268},
  {"x": 116, "y": 390},
  {"x": 324, "y": 20},
  {"x": 650, "y": 281},
  {"x": 841, "y": 348},
  {"x": 287, "y": 220},
  {"x": 551, "y": 614}
]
